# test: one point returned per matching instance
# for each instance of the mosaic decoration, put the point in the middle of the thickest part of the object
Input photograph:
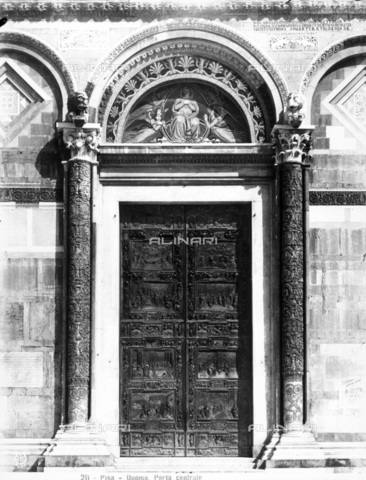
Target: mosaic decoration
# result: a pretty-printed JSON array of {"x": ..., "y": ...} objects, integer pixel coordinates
[{"x": 190, "y": 113}]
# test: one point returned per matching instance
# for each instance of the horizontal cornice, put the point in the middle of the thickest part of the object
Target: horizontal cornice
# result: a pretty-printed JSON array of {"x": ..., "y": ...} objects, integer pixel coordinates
[{"x": 115, "y": 10}]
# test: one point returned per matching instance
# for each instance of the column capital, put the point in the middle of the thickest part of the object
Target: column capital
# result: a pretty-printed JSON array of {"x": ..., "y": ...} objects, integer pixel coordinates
[
  {"x": 291, "y": 144},
  {"x": 81, "y": 140}
]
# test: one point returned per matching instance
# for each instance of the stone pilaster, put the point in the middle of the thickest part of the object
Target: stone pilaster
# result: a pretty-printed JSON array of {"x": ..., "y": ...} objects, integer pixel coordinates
[{"x": 292, "y": 149}]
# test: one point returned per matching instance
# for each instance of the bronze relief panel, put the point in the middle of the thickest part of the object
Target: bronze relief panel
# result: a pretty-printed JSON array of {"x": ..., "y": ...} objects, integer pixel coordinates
[{"x": 186, "y": 330}]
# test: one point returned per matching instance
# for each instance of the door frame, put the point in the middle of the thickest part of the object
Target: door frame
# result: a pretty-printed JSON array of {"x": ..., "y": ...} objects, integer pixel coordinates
[{"x": 106, "y": 286}]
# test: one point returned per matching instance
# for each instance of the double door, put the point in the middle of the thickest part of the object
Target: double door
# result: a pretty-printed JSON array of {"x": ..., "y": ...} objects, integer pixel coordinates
[{"x": 186, "y": 330}]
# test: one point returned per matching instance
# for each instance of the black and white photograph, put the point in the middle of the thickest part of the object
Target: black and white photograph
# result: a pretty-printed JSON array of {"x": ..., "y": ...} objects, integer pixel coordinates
[{"x": 182, "y": 239}]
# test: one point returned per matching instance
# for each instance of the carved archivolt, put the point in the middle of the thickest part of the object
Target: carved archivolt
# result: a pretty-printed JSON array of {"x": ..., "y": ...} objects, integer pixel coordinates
[
  {"x": 31, "y": 43},
  {"x": 318, "y": 62},
  {"x": 190, "y": 24},
  {"x": 185, "y": 68}
]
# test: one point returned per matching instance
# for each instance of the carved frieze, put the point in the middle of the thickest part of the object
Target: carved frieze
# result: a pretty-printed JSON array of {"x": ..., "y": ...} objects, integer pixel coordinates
[
  {"x": 299, "y": 42},
  {"x": 26, "y": 194},
  {"x": 337, "y": 197},
  {"x": 297, "y": 25}
]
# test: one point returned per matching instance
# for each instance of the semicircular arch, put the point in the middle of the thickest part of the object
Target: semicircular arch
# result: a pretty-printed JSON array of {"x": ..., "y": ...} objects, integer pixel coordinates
[
  {"x": 257, "y": 64},
  {"x": 44, "y": 53},
  {"x": 325, "y": 60},
  {"x": 179, "y": 63}
]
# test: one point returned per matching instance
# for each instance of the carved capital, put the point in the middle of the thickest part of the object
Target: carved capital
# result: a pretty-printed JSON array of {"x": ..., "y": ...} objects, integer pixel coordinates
[
  {"x": 292, "y": 144},
  {"x": 83, "y": 142}
]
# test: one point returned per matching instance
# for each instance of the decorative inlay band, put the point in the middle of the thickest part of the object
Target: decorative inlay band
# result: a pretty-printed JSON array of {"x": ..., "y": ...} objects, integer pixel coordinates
[
  {"x": 331, "y": 197},
  {"x": 30, "y": 194}
]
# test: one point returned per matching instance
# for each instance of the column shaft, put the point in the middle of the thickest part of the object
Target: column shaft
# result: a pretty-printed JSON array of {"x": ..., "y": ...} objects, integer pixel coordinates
[
  {"x": 292, "y": 310},
  {"x": 79, "y": 290}
]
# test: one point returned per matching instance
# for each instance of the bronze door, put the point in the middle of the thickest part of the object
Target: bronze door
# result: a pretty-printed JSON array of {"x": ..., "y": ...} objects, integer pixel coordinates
[{"x": 186, "y": 335}]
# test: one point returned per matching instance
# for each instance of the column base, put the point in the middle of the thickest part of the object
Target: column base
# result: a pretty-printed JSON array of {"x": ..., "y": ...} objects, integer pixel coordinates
[
  {"x": 75, "y": 448},
  {"x": 295, "y": 449}
]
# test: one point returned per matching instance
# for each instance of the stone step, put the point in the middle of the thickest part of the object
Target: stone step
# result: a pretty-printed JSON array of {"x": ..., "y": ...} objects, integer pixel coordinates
[
  {"x": 186, "y": 464},
  {"x": 324, "y": 463},
  {"x": 186, "y": 468}
]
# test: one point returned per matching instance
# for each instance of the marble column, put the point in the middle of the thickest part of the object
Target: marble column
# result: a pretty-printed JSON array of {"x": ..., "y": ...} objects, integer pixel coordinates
[
  {"x": 292, "y": 147},
  {"x": 77, "y": 444},
  {"x": 82, "y": 141}
]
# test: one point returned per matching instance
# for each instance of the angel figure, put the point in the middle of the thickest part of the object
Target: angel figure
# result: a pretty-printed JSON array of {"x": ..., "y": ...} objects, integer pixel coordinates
[
  {"x": 222, "y": 127},
  {"x": 145, "y": 124}
]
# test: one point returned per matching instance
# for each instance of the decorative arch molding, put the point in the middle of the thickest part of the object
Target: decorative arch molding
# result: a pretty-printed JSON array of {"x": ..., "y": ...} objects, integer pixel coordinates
[
  {"x": 200, "y": 28},
  {"x": 325, "y": 60},
  {"x": 37, "y": 48},
  {"x": 257, "y": 129},
  {"x": 184, "y": 62}
]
